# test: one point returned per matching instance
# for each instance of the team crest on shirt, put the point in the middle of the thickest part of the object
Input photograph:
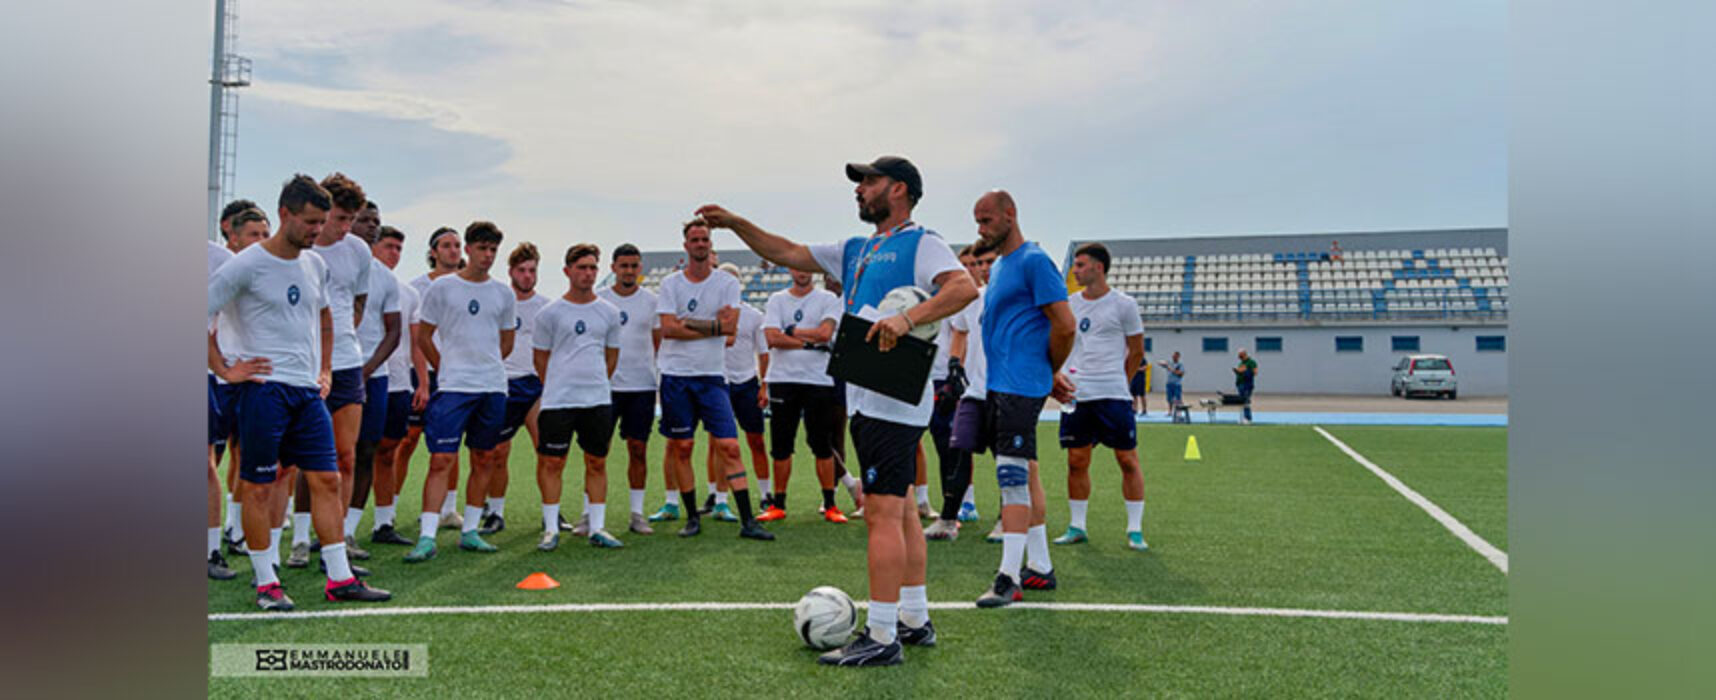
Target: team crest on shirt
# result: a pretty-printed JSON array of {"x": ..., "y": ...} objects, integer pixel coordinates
[
  {"x": 578, "y": 328},
  {"x": 472, "y": 307},
  {"x": 798, "y": 315},
  {"x": 1083, "y": 325},
  {"x": 691, "y": 305},
  {"x": 517, "y": 322},
  {"x": 292, "y": 295},
  {"x": 624, "y": 317}
]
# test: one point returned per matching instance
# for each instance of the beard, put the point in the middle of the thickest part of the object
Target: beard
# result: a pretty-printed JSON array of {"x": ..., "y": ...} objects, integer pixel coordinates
[{"x": 874, "y": 212}]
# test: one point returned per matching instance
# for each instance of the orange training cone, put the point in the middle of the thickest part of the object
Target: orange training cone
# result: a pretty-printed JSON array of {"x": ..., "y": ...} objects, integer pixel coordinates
[{"x": 538, "y": 582}]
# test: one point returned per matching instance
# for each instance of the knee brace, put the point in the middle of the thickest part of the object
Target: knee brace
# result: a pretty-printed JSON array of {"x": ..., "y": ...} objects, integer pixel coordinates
[{"x": 1014, "y": 475}]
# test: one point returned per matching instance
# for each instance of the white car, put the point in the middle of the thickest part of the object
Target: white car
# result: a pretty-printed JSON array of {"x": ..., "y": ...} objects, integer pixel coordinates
[{"x": 1424, "y": 374}]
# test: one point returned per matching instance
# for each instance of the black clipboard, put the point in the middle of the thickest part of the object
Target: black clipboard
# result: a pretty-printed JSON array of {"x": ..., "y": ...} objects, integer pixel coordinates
[{"x": 899, "y": 374}]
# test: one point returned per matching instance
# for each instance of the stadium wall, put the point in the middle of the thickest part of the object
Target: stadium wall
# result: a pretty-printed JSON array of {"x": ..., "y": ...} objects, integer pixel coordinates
[{"x": 1308, "y": 362}]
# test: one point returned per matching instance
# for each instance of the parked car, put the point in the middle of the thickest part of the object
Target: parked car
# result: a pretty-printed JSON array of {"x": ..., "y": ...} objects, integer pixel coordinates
[{"x": 1424, "y": 374}]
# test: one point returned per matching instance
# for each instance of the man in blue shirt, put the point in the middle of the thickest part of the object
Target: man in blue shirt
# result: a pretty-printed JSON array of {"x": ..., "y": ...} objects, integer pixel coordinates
[
  {"x": 885, "y": 431},
  {"x": 1028, "y": 331}
]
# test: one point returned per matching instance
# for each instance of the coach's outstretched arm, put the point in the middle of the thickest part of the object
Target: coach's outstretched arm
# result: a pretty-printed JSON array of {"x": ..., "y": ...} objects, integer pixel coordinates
[{"x": 771, "y": 247}]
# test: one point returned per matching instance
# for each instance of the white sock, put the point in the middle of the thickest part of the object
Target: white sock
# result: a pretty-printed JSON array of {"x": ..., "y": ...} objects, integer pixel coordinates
[
  {"x": 263, "y": 565},
  {"x": 970, "y": 496},
  {"x": 637, "y": 501},
  {"x": 498, "y": 506},
  {"x": 720, "y": 498},
  {"x": 1012, "y": 553},
  {"x": 473, "y": 518},
  {"x": 300, "y": 528},
  {"x": 598, "y": 516},
  {"x": 883, "y": 618},
  {"x": 353, "y": 516},
  {"x": 334, "y": 555},
  {"x": 585, "y": 512},
  {"x": 290, "y": 503},
  {"x": 923, "y": 494},
  {"x": 914, "y": 605},
  {"x": 849, "y": 481},
  {"x": 427, "y": 524},
  {"x": 214, "y": 540},
  {"x": 274, "y": 536},
  {"x": 1134, "y": 516},
  {"x": 551, "y": 517},
  {"x": 767, "y": 486},
  {"x": 1078, "y": 509},
  {"x": 450, "y": 504},
  {"x": 1037, "y": 543},
  {"x": 383, "y": 516},
  {"x": 234, "y": 515}
]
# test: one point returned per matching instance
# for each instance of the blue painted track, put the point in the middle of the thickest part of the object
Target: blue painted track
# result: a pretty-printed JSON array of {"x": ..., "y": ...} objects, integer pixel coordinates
[{"x": 1230, "y": 416}]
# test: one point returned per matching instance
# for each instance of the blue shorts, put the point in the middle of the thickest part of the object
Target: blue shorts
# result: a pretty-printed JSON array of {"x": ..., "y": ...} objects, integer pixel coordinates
[
  {"x": 347, "y": 389},
  {"x": 521, "y": 396},
  {"x": 745, "y": 409},
  {"x": 1174, "y": 393},
  {"x": 687, "y": 400},
  {"x": 1138, "y": 384},
  {"x": 223, "y": 411},
  {"x": 398, "y": 407},
  {"x": 374, "y": 412},
  {"x": 1108, "y": 422},
  {"x": 215, "y": 418},
  {"x": 455, "y": 414},
  {"x": 280, "y": 424},
  {"x": 633, "y": 411},
  {"x": 416, "y": 417}
]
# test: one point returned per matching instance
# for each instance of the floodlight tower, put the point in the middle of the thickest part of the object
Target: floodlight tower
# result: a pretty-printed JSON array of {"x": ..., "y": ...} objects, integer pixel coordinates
[{"x": 228, "y": 73}]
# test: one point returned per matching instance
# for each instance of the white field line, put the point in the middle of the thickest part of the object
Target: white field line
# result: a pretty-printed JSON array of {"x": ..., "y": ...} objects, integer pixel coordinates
[
  {"x": 673, "y": 607},
  {"x": 1478, "y": 544}
]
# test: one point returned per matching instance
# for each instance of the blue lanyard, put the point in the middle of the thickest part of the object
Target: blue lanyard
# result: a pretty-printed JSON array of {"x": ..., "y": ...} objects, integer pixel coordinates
[{"x": 864, "y": 262}]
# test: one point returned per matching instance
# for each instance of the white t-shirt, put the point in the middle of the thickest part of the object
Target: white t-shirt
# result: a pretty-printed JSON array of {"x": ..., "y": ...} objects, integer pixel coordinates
[
  {"x": 399, "y": 364},
  {"x": 577, "y": 337},
  {"x": 748, "y": 343},
  {"x": 933, "y": 258},
  {"x": 1097, "y": 365},
  {"x": 383, "y": 299},
  {"x": 798, "y": 366},
  {"x": 468, "y": 319},
  {"x": 943, "y": 343},
  {"x": 520, "y": 362},
  {"x": 276, "y": 308},
  {"x": 348, "y": 271},
  {"x": 699, "y": 301},
  {"x": 218, "y": 255},
  {"x": 638, "y": 321},
  {"x": 969, "y": 321}
]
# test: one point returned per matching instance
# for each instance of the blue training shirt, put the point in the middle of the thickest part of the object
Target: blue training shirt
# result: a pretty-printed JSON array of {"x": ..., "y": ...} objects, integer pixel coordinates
[{"x": 1015, "y": 330}]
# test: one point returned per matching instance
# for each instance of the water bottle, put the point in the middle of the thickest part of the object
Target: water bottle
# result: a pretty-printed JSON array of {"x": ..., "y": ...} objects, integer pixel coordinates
[{"x": 1067, "y": 408}]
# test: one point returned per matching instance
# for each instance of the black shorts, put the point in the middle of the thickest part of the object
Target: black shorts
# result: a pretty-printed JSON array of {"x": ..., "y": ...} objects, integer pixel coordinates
[
  {"x": 969, "y": 433},
  {"x": 415, "y": 417},
  {"x": 887, "y": 454},
  {"x": 815, "y": 405},
  {"x": 398, "y": 408},
  {"x": 347, "y": 389},
  {"x": 521, "y": 395},
  {"x": 635, "y": 410},
  {"x": 374, "y": 410},
  {"x": 1108, "y": 422},
  {"x": 593, "y": 425},
  {"x": 1137, "y": 384},
  {"x": 746, "y": 412},
  {"x": 1011, "y": 422}
]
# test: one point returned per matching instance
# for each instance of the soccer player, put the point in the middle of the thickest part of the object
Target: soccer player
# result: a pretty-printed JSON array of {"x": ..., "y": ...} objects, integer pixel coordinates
[
  {"x": 885, "y": 431},
  {"x": 1108, "y": 348},
  {"x": 242, "y": 223},
  {"x": 446, "y": 256},
  {"x": 964, "y": 349},
  {"x": 464, "y": 328},
  {"x": 745, "y": 354},
  {"x": 402, "y": 375},
  {"x": 634, "y": 378},
  {"x": 1028, "y": 332},
  {"x": 575, "y": 349},
  {"x": 523, "y": 386},
  {"x": 798, "y": 324},
  {"x": 970, "y": 434},
  {"x": 279, "y": 296},
  {"x": 698, "y": 311},
  {"x": 378, "y": 335},
  {"x": 348, "y": 261}
]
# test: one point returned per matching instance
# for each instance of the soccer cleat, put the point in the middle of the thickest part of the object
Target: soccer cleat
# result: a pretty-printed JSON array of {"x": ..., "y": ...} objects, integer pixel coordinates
[
  {"x": 470, "y": 541},
  {"x": 560, "y": 522},
  {"x": 640, "y": 525},
  {"x": 916, "y": 636},
  {"x": 924, "y": 512},
  {"x": 355, "y": 590},
  {"x": 603, "y": 540},
  {"x": 693, "y": 527},
  {"x": 354, "y": 551},
  {"x": 669, "y": 511},
  {"x": 1036, "y": 580},
  {"x": 300, "y": 556},
  {"x": 724, "y": 513},
  {"x": 995, "y": 533},
  {"x": 234, "y": 545},
  {"x": 753, "y": 531},
  {"x": 492, "y": 523},
  {"x": 942, "y": 530},
  {"x": 708, "y": 505},
  {"x": 1073, "y": 536},
  {"x": 549, "y": 542},
  {"x": 272, "y": 597},
  {"x": 968, "y": 512},
  {"x": 424, "y": 551},
  {"x": 582, "y": 529},
  {"x": 1135, "y": 540},
  {"x": 771, "y": 514},
  {"x": 1003, "y": 593},
  {"x": 857, "y": 514},
  {"x": 864, "y": 651},
  {"x": 451, "y": 520},
  {"x": 218, "y": 569},
  {"x": 387, "y": 535},
  {"x": 358, "y": 571},
  {"x": 834, "y": 515}
]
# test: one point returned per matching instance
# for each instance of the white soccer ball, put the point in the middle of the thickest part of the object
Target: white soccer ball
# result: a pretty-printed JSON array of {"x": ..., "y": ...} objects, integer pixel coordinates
[
  {"x": 902, "y": 298},
  {"x": 824, "y": 617}
]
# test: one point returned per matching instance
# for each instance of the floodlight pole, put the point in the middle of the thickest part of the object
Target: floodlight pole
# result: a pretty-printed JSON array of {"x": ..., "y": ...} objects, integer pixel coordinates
[{"x": 217, "y": 86}]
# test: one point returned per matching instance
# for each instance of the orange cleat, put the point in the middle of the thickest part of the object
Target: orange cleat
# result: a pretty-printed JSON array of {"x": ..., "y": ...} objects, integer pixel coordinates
[
  {"x": 834, "y": 515},
  {"x": 771, "y": 515}
]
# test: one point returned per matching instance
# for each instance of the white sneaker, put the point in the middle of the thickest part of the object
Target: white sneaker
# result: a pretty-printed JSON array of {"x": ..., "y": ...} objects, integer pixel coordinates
[
  {"x": 942, "y": 530},
  {"x": 452, "y": 521}
]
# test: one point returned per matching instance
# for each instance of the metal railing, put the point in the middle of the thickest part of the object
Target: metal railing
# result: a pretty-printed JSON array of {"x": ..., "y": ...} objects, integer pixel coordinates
[{"x": 1324, "y": 304}]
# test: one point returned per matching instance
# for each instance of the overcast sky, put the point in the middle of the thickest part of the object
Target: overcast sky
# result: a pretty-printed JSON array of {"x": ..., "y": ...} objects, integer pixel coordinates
[{"x": 611, "y": 121}]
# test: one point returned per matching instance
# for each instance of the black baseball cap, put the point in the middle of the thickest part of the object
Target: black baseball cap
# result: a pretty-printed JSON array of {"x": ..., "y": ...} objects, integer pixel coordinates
[{"x": 894, "y": 167}]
